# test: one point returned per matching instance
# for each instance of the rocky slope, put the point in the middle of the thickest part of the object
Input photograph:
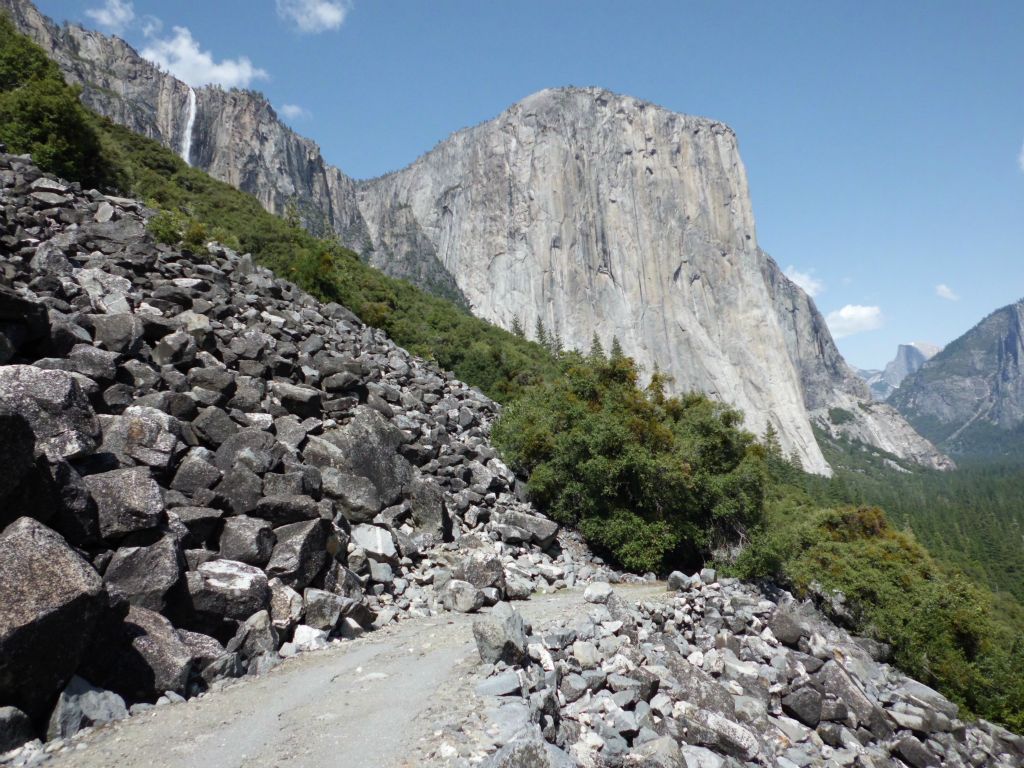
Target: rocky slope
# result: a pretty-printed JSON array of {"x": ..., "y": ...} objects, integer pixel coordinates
[
  {"x": 909, "y": 359},
  {"x": 205, "y": 470},
  {"x": 969, "y": 398},
  {"x": 588, "y": 211},
  {"x": 718, "y": 674}
]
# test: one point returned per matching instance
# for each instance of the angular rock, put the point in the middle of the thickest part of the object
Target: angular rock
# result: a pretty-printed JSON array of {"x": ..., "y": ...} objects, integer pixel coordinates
[
  {"x": 804, "y": 704},
  {"x": 143, "y": 434},
  {"x": 82, "y": 705},
  {"x": 285, "y": 605},
  {"x": 140, "y": 658},
  {"x": 299, "y": 554},
  {"x": 51, "y": 600},
  {"x": 461, "y": 597},
  {"x": 378, "y": 543},
  {"x": 542, "y": 530},
  {"x": 15, "y": 729},
  {"x": 281, "y": 510},
  {"x": 501, "y": 635},
  {"x": 481, "y": 569},
  {"x": 322, "y": 609},
  {"x": 127, "y": 500},
  {"x": 247, "y": 540},
  {"x": 529, "y": 752},
  {"x": 55, "y": 407},
  {"x": 145, "y": 575},
  {"x": 227, "y": 589}
]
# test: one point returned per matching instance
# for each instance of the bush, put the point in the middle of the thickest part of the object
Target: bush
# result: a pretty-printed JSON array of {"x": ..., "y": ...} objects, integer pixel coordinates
[
  {"x": 655, "y": 482},
  {"x": 943, "y": 628}
]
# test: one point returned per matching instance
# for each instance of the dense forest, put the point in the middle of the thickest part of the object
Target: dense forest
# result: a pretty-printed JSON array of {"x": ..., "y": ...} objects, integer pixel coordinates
[{"x": 655, "y": 481}]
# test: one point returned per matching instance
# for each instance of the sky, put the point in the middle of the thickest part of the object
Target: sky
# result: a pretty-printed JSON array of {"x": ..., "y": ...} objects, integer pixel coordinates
[{"x": 883, "y": 142}]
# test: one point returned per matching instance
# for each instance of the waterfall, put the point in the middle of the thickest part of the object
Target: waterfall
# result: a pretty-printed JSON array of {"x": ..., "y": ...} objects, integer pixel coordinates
[{"x": 186, "y": 140}]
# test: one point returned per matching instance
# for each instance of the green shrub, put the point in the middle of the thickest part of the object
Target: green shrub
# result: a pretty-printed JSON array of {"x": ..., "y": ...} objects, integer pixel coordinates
[{"x": 654, "y": 481}]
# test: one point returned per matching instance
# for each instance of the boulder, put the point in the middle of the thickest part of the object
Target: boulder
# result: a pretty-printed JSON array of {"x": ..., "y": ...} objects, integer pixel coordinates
[
  {"x": 542, "y": 530},
  {"x": 281, "y": 510},
  {"x": 786, "y": 625},
  {"x": 251, "y": 449},
  {"x": 461, "y": 597},
  {"x": 227, "y": 589},
  {"x": 483, "y": 570},
  {"x": 300, "y": 553},
  {"x": 51, "y": 599},
  {"x": 357, "y": 497},
  {"x": 429, "y": 515},
  {"x": 82, "y": 705},
  {"x": 501, "y": 635},
  {"x": 15, "y": 729},
  {"x": 377, "y": 542},
  {"x": 530, "y": 752},
  {"x": 367, "y": 446},
  {"x": 139, "y": 658},
  {"x": 121, "y": 332},
  {"x": 285, "y": 605},
  {"x": 698, "y": 687},
  {"x": 804, "y": 704},
  {"x": 144, "y": 435},
  {"x": 247, "y": 540},
  {"x": 127, "y": 500},
  {"x": 55, "y": 407},
  {"x": 322, "y": 609},
  {"x": 598, "y": 592},
  {"x": 255, "y": 637},
  {"x": 145, "y": 575}
]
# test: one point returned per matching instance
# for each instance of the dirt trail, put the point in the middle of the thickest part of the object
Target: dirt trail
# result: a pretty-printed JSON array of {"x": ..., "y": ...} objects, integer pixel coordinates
[{"x": 368, "y": 703}]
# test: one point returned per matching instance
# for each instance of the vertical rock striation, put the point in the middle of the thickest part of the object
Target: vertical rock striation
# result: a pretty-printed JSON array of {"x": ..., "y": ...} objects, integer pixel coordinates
[{"x": 586, "y": 210}]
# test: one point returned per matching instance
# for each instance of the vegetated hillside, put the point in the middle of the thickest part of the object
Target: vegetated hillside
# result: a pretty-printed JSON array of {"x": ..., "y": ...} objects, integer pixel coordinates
[
  {"x": 969, "y": 398},
  {"x": 968, "y": 651},
  {"x": 972, "y": 518}
]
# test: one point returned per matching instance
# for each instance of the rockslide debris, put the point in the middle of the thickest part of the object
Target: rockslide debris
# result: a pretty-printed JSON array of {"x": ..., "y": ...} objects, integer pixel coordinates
[
  {"x": 716, "y": 674},
  {"x": 206, "y": 470}
]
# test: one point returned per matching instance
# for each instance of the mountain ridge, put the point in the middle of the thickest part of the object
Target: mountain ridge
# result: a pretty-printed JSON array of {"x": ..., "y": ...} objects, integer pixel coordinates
[{"x": 718, "y": 335}]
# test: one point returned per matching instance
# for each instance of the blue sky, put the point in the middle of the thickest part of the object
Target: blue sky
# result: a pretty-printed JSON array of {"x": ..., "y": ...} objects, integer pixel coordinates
[{"x": 884, "y": 142}]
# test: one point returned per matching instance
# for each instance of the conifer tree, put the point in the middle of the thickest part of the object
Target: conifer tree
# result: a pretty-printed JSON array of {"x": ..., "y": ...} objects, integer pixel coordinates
[
  {"x": 540, "y": 333},
  {"x": 616, "y": 354},
  {"x": 596, "y": 350},
  {"x": 517, "y": 327}
]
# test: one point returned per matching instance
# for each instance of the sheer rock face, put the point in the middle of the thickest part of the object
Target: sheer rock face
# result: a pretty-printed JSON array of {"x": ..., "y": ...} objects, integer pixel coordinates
[{"x": 593, "y": 212}]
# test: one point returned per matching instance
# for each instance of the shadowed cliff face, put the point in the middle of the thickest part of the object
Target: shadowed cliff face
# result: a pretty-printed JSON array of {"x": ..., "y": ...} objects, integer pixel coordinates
[
  {"x": 589, "y": 211},
  {"x": 969, "y": 398}
]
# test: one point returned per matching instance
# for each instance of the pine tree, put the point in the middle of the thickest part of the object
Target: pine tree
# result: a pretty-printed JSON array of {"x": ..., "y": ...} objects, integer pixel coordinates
[
  {"x": 540, "y": 333},
  {"x": 616, "y": 354},
  {"x": 596, "y": 350},
  {"x": 771, "y": 441},
  {"x": 555, "y": 344},
  {"x": 517, "y": 327}
]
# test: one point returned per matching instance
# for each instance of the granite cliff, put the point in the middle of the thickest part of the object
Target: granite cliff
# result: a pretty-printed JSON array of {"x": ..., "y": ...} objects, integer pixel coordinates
[
  {"x": 969, "y": 398},
  {"x": 586, "y": 210}
]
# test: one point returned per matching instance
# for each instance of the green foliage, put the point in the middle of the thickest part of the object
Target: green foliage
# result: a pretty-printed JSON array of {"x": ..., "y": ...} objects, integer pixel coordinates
[
  {"x": 840, "y": 416},
  {"x": 655, "y": 482},
  {"x": 944, "y": 629},
  {"x": 40, "y": 114}
]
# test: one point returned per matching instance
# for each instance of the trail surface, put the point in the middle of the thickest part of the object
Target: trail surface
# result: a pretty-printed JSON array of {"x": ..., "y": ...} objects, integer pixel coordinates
[{"x": 376, "y": 702}]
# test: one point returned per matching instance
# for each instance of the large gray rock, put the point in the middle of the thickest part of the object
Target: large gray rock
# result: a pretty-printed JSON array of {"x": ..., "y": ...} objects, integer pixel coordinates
[
  {"x": 144, "y": 435},
  {"x": 530, "y": 752},
  {"x": 15, "y": 729},
  {"x": 139, "y": 658},
  {"x": 461, "y": 597},
  {"x": 56, "y": 408},
  {"x": 481, "y": 569},
  {"x": 542, "y": 531},
  {"x": 81, "y": 705},
  {"x": 367, "y": 446},
  {"x": 698, "y": 687},
  {"x": 377, "y": 542},
  {"x": 51, "y": 599},
  {"x": 247, "y": 540},
  {"x": 17, "y": 450},
  {"x": 227, "y": 589},
  {"x": 145, "y": 575},
  {"x": 501, "y": 635},
  {"x": 127, "y": 500},
  {"x": 300, "y": 553}
]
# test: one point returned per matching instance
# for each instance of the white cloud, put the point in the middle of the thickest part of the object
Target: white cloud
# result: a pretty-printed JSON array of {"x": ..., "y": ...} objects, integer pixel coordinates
[
  {"x": 182, "y": 57},
  {"x": 151, "y": 26},
  {"x": 313, "y": 16},
  {"x": 812, "y": 286},
  {"x": 854, "y": 318},
  {"x": 113, "y": 15},
  {"x": 295, "y": 112},
  {"x": 943, "y": 291}
]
